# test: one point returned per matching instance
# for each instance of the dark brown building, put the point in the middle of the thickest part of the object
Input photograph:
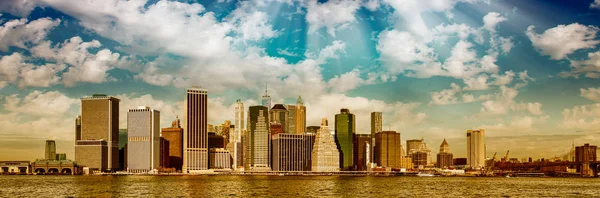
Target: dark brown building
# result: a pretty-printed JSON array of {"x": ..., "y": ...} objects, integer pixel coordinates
[
  {"x": 275, "y": 129},
  {"x": 292, "y": 152},
  {"x": 459, "y": 161},
  {"x": 361, "y": 144},
  {"x": 164, "y": 153},
  {"x": 444, "y": 157},
  {"x": 174, "y": 135},
  {"x": 419, "y": 158},
  {"x": 215, "y": 141},
  {"x": 388, "y": 149}
]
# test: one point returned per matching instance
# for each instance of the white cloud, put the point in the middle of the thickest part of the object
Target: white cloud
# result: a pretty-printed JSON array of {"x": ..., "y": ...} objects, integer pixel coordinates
[
  {"x": 251, "y": 24},
  {"x": 21, "y": 33},
  {"x": 595, "y": 4},
  {"x": 517, "y": 126},
  {"x": 491, "y": 20},
  {"x": 38, "y": 103},
  {"x": 584, "y": 117},
  {"x": 14, "y": 70},
  {"x": 84, "y": 66},
  {"x": 589, "y": 67},
  {"x": 446, "y": 96},
  {"x": 591, "y": 93},
  {"x": 506, "y": 45},
  {"x": 345, "y": 82},
  {"x": 477, "y": 83},
  {"x": 505, "y": 79},
  {"x": 20, "y": 8},
  {"x": 332, "y": 15},
  {"x": 562, "y": 40},
  {"x": 504, "y": 102},
  {"x": 371, "y": 5}
]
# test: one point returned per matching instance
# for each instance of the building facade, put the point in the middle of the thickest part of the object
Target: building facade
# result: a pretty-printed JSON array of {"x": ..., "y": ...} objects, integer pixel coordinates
[
  {"x": 362, "y": 142},
  {"x": 220, "y": 158},
  {"x": 50, "y": 149},
  {"x": 292, "y": 152},
  {"x": 300, "y": 125},
  {"x": 98, "y": 145},
  {"x": 325, "y": 154},
  {"x": 143, "y": 140},
  {"x": 376, "y": 127},
  {"x": 280, "y": 115},
  {"x": 174, "y": 135},
  {"x": 584, "y": 155},
  {"x": 345, "y": 127},
  {"x": 413, "y": 145},
  {"x": 476, "y": 148},
  {"x": 444, "y": 157},
  {"x": 291, "y": 118},
  {"x": 258, "y": 139},
  {"x": 195, "y": 136},
  {"x": 388, "y": 149}
]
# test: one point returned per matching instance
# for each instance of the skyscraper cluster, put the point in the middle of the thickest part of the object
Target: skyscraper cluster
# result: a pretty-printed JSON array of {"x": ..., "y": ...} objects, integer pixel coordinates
[{"x": 265, "y": 137}]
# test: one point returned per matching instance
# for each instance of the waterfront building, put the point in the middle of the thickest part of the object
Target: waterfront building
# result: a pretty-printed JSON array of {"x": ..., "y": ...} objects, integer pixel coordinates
[
  {"x": 476, "y": 149},
  {"x": 143, "y": 140},
  {"x": 444, "y": 157},
  {"x": 15, "y": 167},
  {"x": 174, "y": 135},
  {"x": 195, "y": 136},
  {"x": 236, "y": 147},
  {"x": 280, "y": 115},
  {"x": 376, "y": 127},
  {"x": 98, "y": 145},
  {"x": 413, "y": 145},
  {"x": 50, "y": 153},
  {"x": 266, "y": 99},
  {"x": 419, "y": 159},
  {"x": 325, "y": 154},
  {"x": 164, "y": 155},
  {"x": 406, "y": 162},
  {"x": 258, "y": 142},
  {"x": 300, "y": 119},
  {"x": 292, "y": 152},
  {"x": 61, "y": 156},
  {"x": 388, "y": 149},
  {"x": 220, "y": 158},
  {"x": 345, "y": 127},
  {"x": 362, "y": 143}
]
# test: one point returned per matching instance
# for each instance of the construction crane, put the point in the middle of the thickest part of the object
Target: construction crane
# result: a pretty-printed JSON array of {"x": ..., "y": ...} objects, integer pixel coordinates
[
  {"x": 489, "y": 165},
  {"x": 506, "y": 156}
]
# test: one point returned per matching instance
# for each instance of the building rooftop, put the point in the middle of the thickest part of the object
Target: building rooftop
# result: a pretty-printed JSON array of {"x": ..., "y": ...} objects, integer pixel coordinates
[{"x": 279, "y": 107}]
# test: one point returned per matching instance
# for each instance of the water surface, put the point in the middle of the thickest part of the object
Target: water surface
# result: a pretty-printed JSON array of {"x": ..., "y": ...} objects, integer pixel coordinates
[{"x": 293, "y": 186}]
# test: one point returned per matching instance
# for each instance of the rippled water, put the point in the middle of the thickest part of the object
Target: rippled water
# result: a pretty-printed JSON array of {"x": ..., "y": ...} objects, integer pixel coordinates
[{"x": 292, "y": 186}]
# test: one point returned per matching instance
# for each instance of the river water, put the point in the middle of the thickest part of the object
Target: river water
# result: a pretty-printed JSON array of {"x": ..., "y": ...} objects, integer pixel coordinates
[{"x": 293, "y": 186}]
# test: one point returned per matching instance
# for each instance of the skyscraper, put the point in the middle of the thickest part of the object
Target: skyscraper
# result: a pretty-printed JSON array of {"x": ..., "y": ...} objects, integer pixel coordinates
[
  {"x": 195, "y": 136},
  {"x": 292, "y": 152},
  {"x": 50, "y": 153},
  {"x": 280, "y": 115},
  {"x": 388, "y": 152},
  {"x": 266, "y": 99},
  {"x": 325, "y": 156},
  {"x": 376, "y": 127},
  {"x": 444, "y": 157},
  {"x": 475, "y": 148},
  {"x": 361, "y": 142},
  {"x": 239, "y": 121},
  {"x": 98, "y": 146},
  {"x": 258, "y": 139},
  {"x": 174, "y": 135},
  {"x": 291, "y": 118},
  {"x": 413, "y": 145},
  {"x": 300, "y": 124},
  {"x": 345, "y": 127},
  {"x": 143, "y": 140}
]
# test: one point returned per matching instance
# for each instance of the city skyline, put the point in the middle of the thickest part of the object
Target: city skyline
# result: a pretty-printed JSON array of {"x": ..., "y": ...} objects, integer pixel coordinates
[{"x": 456, "y": 66}]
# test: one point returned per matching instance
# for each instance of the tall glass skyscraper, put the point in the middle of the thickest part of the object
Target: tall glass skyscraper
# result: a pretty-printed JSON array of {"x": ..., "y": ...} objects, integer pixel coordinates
[
  {"x": 345, "y": 127},
  {"x": 300, "y": 119}
]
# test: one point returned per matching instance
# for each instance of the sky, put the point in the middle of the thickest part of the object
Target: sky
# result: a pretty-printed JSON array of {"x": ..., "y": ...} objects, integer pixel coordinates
[{"x": 526, "y": 71}]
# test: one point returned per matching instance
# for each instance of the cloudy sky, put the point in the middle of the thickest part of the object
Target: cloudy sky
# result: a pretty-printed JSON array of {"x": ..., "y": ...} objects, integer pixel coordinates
[{"x": 526, "y": 71}]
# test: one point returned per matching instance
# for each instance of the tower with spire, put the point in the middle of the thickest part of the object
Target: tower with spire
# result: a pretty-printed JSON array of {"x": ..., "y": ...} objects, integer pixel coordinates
[
  {"x": 266, "y": 99},
  {"x": 444, "y": 157},
  {"x": 300, "y": 118}
]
